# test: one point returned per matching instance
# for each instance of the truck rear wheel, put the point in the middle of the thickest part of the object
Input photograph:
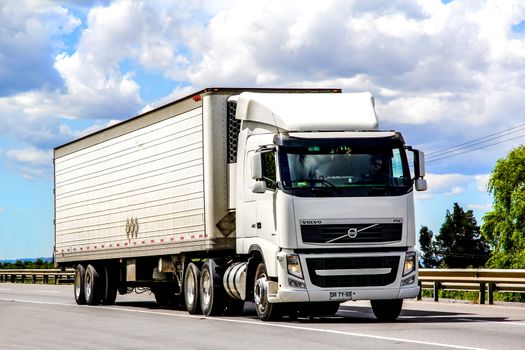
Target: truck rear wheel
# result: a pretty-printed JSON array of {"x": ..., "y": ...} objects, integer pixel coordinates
[
  {"x": 211, "y": 290},
  {"x": 191, "y": 289},
  {"x": 110, "y": 285},
  {"x": 267, "y": 311},
  {"x": 387, "y": 310},
  {"x": 80, "y": 296},
  {"x": 92, "y": 286}
]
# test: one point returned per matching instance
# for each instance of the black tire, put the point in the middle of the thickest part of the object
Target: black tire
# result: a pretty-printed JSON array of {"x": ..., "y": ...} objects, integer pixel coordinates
[
  {"x": 211, "y": 291},
  {"x": 387, "y": 310},
  {"x": 233, "y": 307},
  {"x": 267, "y": 311},
  {"x": 110, "y": 285},
  {"x": 80, "y": 296},
  {"x": 191, "y": 289},
  {"x": 92, "y": 286}
]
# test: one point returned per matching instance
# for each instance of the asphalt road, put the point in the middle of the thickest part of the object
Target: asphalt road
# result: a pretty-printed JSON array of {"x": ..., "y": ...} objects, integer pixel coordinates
[{"x": 46, "y": 317}]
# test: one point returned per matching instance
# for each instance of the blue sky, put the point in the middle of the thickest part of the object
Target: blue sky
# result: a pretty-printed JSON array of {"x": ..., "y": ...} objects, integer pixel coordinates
[{"x": 442, "y": 72}]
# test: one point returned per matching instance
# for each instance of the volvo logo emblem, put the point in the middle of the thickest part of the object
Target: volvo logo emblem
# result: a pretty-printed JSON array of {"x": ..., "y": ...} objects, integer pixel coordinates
[{"x": 352, "y": 232}]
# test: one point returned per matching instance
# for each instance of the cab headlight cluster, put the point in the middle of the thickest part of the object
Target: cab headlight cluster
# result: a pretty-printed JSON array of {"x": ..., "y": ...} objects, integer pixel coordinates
[
  {"x": 408, "y": 267},
  {"x": 410, "y": 263},
  {"x": 295, "y": 272},
  {"x": 294, "y": 265}
]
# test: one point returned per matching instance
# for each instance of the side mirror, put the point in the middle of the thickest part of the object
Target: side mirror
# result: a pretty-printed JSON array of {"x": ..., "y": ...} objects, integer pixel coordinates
[
  {"x": 256, "y": 165},
  {"x": 421, "y": 184},
  {"x": 419, "y": 169},
  {"x": 259, "y": 187},
  {"x": 419, "y": 163}
]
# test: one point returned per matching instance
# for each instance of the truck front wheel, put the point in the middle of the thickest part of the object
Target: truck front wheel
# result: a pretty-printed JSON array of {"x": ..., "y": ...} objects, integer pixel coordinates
[
  {"x": 267, "y": 311},
  {"x": 387, "y": 310}
]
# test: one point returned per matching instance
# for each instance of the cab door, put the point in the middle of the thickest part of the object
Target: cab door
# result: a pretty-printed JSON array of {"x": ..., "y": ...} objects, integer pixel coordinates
[{"x": 266, "y": 209}]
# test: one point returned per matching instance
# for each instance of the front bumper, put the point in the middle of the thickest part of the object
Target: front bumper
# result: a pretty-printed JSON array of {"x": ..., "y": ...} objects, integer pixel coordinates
[{"x": 337, "y": 277}]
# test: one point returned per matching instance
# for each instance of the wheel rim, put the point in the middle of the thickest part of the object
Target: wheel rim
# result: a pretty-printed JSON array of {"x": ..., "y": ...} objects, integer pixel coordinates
[
  {"x": 77, "y": 284},
  {"x": 190, "y": 290},
  {"x": 88, "y": 285},
  {"x": 206, "y": 288},
  {"x": 259, "y": 291}
]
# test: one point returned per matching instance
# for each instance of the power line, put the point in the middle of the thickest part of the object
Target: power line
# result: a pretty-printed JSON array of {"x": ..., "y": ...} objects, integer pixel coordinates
[
  {"x": 487, "y": 137},
  {"x": 470, "y": 146},
  {"x": 471, "y": 150}
]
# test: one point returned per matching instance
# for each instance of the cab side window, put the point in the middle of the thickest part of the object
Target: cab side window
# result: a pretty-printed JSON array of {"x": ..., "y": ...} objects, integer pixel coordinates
[{"x": 268, "y": 169}]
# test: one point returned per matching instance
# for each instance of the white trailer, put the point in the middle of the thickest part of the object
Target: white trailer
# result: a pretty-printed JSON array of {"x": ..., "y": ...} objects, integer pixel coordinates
[{"x": 234, "y": 195}]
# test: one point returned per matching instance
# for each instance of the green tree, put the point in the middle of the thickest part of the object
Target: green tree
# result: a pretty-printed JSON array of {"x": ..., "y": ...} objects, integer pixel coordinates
[
  {"x": 459, "y": 242},
  {"x": 504, "y": 226},
  {"x": 428, "y": 250}
]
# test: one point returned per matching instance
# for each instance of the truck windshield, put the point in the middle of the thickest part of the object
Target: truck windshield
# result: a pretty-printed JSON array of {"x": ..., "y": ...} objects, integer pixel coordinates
[{"x": 352, "y": 168}]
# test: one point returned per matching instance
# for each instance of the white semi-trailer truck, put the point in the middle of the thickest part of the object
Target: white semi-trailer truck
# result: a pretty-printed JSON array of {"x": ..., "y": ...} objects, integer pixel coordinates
[{"x": 289, "y": 198}]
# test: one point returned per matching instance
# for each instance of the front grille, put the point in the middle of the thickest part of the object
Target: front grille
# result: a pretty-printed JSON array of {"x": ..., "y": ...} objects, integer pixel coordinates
[
  {"x": 339, "y": 233},
  {"x": 357, "y": 263}
]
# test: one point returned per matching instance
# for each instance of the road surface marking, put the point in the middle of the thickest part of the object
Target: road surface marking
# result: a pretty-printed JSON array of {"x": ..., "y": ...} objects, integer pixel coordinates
[{"x": 256, "y": 323}]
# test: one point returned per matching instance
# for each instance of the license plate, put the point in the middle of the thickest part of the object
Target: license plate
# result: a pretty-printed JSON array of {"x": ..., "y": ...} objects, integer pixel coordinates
[{"x": 344, "y": 295}]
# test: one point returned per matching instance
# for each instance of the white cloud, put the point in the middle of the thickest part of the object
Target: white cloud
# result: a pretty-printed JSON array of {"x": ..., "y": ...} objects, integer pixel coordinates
[
  {"x": 455, "y": 191},
  {"x": 452, "y": 184},
  {"x": 30, "y": 156},
  {"x": 483, "y": 207},
  {"x": 482, "y": 182},
  {"x": 448, "y": 73}
]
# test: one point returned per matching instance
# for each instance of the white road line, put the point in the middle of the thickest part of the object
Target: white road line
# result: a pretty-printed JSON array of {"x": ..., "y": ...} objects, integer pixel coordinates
[
  {"x": 4, "y": 289},
  {"x": 260, "y": 324},
  {"x": 47, "y": 291}
]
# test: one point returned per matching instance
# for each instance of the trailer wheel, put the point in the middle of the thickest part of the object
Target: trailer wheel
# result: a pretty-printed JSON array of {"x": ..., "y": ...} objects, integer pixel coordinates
[
  {"x": 267, "y": 311},
  {"x": 110, "y": 285},
  {"x": 92, "y": 286},
  {"x": 80, "y": 296},
  {"x": 211, "y": 290},
  {"x": 191, "y": 289},
  {"x": 387, "y": 310}
]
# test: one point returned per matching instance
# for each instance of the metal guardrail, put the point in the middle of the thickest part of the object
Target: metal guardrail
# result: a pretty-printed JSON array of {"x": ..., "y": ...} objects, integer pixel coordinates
[
  {"x": 36, "y": 275},
  {"x": 486, "y": 281}
]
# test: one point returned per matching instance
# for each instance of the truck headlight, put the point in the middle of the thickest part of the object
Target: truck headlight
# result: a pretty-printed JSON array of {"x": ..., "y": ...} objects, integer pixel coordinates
[
  {"x": 410, "y": 263},
  {"x": 294, "y": 265}
]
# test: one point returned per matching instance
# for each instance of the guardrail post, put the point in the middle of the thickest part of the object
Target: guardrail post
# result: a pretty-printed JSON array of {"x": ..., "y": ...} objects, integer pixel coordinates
[
  {"x": 437, "y": 285},
  {"x": 492, "y": 286},
  {"x": 482, "y": 293},
  {"x": 23, "y": 278},
  {"x": 420, "y": 294},
  {"x": 13, "y": 278},
  {"x": 34, "y": 279}
]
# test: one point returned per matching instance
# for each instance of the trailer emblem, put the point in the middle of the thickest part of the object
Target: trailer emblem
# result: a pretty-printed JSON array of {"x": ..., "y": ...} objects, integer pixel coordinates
[
  {"x": 132, "y": 227},
  {"x": 352, "y": 232}
]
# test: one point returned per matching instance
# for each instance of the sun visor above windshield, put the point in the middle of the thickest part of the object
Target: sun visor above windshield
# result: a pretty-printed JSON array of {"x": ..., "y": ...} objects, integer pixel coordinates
[{"x": 309, "y": 111}]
